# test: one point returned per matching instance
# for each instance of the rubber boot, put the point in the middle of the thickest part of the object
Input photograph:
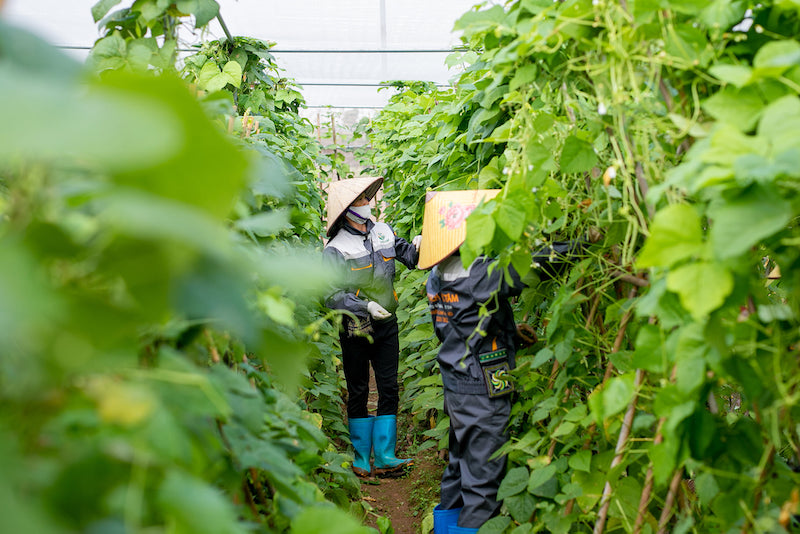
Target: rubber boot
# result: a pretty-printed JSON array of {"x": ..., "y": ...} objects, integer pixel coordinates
[
  {"x": 361, "y": 438},
  {"x": 384, "y": 441},
  {"x": 462, "y": 530},
  {"x": 444, "y": 519}
]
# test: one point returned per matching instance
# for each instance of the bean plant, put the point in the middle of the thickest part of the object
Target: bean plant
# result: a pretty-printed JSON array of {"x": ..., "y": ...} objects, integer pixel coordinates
[
  {"x": 662, "y": 393},
  {"x": 159, "y": 283}
]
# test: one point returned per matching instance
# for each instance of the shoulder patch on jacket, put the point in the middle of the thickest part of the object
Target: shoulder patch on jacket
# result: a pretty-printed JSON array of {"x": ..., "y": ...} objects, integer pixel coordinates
[{"x": 382, "y": 236}]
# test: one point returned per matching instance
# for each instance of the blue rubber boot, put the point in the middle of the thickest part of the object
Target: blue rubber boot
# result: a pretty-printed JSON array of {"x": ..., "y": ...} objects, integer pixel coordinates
[
  {"x": 444, "y": 519},
  {"x": 462, "y": 530},
  {"x": 384, "y": 441},
  {"x": 361, "y": 438}
]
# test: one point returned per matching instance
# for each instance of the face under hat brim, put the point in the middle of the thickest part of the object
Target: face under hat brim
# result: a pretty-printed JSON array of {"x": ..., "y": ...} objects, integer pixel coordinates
[{"x": 342, "y": 193}]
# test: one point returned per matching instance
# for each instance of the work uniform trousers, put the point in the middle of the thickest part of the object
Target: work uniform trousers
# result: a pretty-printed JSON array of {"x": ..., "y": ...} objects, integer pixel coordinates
[
  {"x": 357, "y": 355},
  {"x": 471, "y": 479}
]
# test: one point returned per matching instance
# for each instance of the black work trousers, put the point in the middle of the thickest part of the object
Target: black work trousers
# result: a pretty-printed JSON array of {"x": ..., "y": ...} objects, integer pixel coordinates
[
  {"x": 472, "y": 477},
  {"x": 357, "y": 355}
]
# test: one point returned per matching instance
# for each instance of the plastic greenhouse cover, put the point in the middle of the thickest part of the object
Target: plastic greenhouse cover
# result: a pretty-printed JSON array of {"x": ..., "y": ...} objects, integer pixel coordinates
[{"x": 318, "y": 39}]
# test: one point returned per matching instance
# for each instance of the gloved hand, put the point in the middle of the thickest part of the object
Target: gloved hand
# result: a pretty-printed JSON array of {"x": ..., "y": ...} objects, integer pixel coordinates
[
  {"x": 416, "y": 242},
  {"x": 377, "y": 311}
]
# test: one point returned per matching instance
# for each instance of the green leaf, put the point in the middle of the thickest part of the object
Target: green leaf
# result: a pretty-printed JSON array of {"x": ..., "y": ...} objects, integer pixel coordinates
[
  {"x": 581, "y": 460},
  {"x": 706, "y": 487},
  {"x": 689, "y": 44},
  {"x": 152, "y": 9},
  {"x": 675, "y": 235},
  {"x": 266, "y": 223},
  {"x": 689, "y": 7},
  {"x": 540, "y": 476},
  {"x": 233, "y": 71},
  {"x": 738, "y": 107},
  {"x": 206, "y": 10},
  {"x": 723, "y": 14},
  {"x": 192, "y": 176},
  {"x": 191, "y": 505},
  {"x": 738, "y": 75},
  {"x": 780, "y": 125},
  {"x": 613, "y": 397},
  {"x": 102, "y": 7},
  {"x": 479, "y": 20},
  {"x": 577, "y": 156},
  {"x": 496, "y": 525},
  {"x": 511, "y": 218},
  {"x": 775, "y": 58},
  {"x": 524, "y": 75},
  {"x": 326, "y": 519},
  {"x": 741, "y": 223},
  {"x": 540, "y": 157},
  {"x": 693, "y": 284},
  {"x": 521, "y": 507},
  {"x": 480, "y": 230},
  {"x": 209, "y": 78},
  {"x": 651, "y": 352},
  {"x": 514, "y": 482},
  {"x": 78, "y": 123}
]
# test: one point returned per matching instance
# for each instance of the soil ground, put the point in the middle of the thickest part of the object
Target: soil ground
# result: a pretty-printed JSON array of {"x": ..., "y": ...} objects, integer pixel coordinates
[{"x": 408, "y": 500}]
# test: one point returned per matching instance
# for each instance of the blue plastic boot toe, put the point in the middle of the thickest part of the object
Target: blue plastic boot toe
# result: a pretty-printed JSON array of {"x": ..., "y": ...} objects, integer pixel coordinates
[
  {"x": 444, "y": 519},
  {"x": 384, "y": 441},
  {"x": 361, "y": 438}
]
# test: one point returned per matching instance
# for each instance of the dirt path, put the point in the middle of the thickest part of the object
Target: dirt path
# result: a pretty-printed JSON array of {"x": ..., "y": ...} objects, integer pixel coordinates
[{"x": 408, "y": 499}]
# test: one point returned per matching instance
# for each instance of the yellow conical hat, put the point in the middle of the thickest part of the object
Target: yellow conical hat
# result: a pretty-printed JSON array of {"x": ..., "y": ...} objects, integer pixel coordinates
[
  {"x": 444, "y": 223},
  {"x": 342, "y": 193}
]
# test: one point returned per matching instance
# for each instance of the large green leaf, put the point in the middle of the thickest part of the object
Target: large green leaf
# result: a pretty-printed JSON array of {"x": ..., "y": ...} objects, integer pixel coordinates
[
  {"x": 743, "y": 222},
  {"x": 675, "y": 235},
  {"x": 780, "y": 125},
  {"x": 690, "y": 7},
  {"x": 193, "y": 506},
  {"x": 701, "y": 286},
  {"x": 110, "y": 128},
  {"x": 480, "y": 230},
  {"x": 326, "y": 519},
  {"x": 613, "y": 397},
  {"x": 577, "y": 155},
  {"x": 25, "y": 51},
  {"x": 510, "y": 217},
  {"x": 737, "y": 107},
  {"x": 723, "y": 14},
  {"x": 775, "y": 58},
  {"x": 206, "y": 10},
  {"x": 738, "y": 75},
  {"x": 514, "y": 482},
  {"x": 651, "y": 352},
  {"x": 102, "y": 7},
  {"x": 208, "y": 173}
]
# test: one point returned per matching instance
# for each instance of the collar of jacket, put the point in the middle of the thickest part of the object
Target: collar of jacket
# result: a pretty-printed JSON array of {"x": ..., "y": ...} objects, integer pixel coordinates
[{"x": 356, "y": 231}]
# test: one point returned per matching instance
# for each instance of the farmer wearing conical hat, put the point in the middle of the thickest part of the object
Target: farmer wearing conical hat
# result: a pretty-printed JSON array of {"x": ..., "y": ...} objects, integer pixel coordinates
[
  {"x": 365, "y": 252},
  {"x": 476, "y": 355}
]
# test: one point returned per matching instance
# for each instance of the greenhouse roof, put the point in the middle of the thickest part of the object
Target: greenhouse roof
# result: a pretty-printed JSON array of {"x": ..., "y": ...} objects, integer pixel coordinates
[{"x": 339, "y": 51}]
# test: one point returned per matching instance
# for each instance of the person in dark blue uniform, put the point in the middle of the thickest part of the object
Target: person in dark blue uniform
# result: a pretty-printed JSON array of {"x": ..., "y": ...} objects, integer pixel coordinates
[
  {"x": 364, "y": 254},
  {"x": 476, "y": 357}
]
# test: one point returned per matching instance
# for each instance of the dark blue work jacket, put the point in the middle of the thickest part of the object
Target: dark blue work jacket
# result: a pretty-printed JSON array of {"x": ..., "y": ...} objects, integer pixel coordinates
[
  {"x": 455, "y": 296},
  {"x": 365, "y": 261}
]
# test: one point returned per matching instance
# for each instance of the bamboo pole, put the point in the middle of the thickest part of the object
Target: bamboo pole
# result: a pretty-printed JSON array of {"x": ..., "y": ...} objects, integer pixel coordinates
[
  {"x": 619, "y": 452},
  {"x": 648, "y": 484},
  {"x": 666, "y": 513},
  {"x": 623, "y": 325}
]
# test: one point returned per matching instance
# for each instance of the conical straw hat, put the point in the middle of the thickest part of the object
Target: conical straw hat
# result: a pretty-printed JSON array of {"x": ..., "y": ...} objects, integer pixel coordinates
[
  {"x": 444, "y": 223},
  {"x": 342, "y": 193}
]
